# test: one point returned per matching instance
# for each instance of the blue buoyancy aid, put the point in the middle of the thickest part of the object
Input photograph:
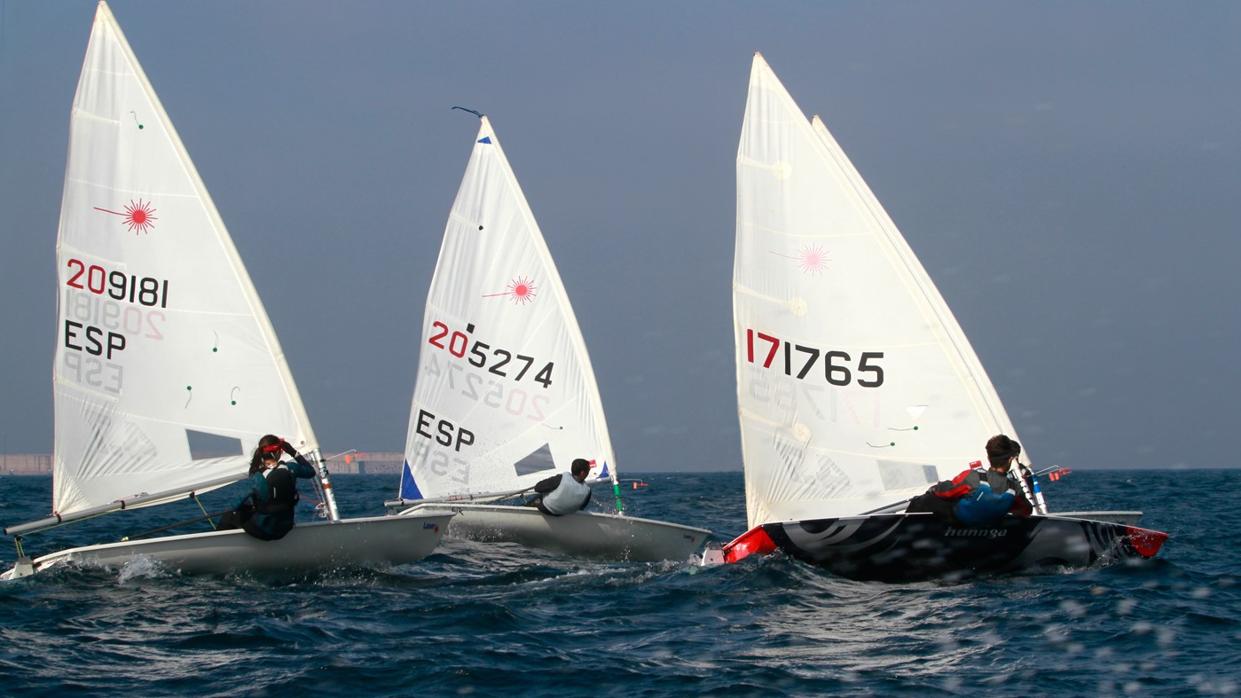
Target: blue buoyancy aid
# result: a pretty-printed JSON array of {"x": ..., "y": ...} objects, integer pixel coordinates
[{"x": 982, "y": 506}]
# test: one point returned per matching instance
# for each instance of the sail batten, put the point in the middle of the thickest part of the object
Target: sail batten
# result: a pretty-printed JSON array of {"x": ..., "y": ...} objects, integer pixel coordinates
[
  {"x": 856, "y": 386},
  {"x": 505, "y": 394},
  {"x": 160, "y": 330}
]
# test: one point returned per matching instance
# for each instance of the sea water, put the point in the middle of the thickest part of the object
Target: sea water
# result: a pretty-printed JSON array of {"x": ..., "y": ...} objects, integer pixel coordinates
[{"x": 498, "y": 619}]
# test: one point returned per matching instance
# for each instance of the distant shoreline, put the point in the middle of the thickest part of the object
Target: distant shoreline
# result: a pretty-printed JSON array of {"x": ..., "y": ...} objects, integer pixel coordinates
[{"x": 390, "y": 462}]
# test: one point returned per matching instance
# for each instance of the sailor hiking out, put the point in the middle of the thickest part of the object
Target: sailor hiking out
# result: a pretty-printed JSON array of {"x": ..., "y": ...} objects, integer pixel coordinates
[
  {"x": 978, "y": 496},
  {"x": 559, "y": 495},
  {"x": 267, "y": 511}
]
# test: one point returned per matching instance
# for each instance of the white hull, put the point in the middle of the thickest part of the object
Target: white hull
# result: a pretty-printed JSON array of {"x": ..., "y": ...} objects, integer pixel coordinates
[
  {"x": 582, "y": 534},
  {"x": 310, "y": 546}
]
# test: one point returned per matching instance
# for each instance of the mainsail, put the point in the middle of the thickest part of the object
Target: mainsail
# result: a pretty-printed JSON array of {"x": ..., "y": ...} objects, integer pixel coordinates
[
  {"x": 162, "y": 338},
  {"x": 856, "y": 387},
  {"x": 505, "y": 394}
]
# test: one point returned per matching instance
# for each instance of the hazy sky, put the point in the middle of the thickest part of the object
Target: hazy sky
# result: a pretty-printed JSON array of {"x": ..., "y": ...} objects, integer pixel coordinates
[{"x": 1069, "y": 174}]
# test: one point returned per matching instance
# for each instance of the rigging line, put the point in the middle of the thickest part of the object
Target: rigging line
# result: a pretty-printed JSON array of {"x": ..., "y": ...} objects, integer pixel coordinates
[
  {"x": 199, "y": 502},
  {"x": 472, "y": 111},
  {"x": 178, "y": 524}
]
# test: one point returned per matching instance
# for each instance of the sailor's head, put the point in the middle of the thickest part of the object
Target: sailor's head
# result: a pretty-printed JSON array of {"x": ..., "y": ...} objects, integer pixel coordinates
[
  {"x": 580, "y": 469},
  {"x": 270, "y": 448},
  {"x": 1001, "y": 451}
]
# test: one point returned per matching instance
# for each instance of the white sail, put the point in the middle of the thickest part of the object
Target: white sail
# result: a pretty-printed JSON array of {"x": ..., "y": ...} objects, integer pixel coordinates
[
  {"x": 160, "y": 331},
  {"x": 856, "y": 387},
  {"x": 505, "y": 394}
]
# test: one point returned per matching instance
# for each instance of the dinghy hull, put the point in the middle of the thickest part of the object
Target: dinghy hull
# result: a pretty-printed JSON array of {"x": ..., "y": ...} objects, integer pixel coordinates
[
  {"x": 369, "y": 541},
  {"x": 582, "y": 534},
  {"x": 911, "y": 547}
]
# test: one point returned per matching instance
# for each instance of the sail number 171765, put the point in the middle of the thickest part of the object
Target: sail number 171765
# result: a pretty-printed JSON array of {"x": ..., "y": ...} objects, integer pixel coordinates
[{"x": 799, "y": 361}]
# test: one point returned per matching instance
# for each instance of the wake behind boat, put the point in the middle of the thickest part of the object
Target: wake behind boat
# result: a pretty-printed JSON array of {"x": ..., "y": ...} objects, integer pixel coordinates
[
  {"x": 505, "y": 395},
  {"x": 164, "y": 350},
  {"x": 856, "y": 387}
]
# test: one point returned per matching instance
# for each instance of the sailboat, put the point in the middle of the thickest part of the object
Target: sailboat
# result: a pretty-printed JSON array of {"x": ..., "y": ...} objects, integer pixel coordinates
[
  {"x": 163, "y": 344},
  {"x": 505, "y": 394},
  {"x": 856, "y": 387}
]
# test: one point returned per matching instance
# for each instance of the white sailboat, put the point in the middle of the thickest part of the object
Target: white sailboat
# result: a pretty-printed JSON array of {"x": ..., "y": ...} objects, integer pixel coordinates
[
  {"x": 505, "y": 394},
  {"x": 856, "y": 387},
  {"x": 162, "y": 342}
]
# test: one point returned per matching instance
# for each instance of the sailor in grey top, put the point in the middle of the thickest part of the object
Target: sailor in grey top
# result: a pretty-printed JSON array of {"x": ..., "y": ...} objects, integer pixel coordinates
[{"x": 559, "y": 495}]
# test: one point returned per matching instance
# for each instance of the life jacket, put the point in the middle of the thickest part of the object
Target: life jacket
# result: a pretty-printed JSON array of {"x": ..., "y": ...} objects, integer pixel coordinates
[
  {"x": 982, "y": 506},
  {"x": 957, "y": 487},
  {"x": 568, "y": 497},
  {"x": 282, "y": 495}
]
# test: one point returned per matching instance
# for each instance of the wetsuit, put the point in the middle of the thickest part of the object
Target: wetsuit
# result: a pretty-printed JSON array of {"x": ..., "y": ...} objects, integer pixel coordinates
[{"x": 267, "y": 512}]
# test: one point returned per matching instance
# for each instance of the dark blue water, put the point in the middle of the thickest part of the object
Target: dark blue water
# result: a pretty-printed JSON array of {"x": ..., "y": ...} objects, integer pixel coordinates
[{"x": 496, "y": 619}]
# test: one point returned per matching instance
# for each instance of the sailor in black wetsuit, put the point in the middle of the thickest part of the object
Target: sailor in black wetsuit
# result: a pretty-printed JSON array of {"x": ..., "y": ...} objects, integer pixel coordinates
[
  {"x": 266, "y": 512},
  {"x": 559, "y": 495}
]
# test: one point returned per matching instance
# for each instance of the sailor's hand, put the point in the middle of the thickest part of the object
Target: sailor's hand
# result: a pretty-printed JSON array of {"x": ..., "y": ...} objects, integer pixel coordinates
[{"x": 288, "y": 448}]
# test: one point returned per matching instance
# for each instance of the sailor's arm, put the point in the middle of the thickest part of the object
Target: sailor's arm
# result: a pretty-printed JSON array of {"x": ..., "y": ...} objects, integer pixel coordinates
[{"x": 299, "y": 466}]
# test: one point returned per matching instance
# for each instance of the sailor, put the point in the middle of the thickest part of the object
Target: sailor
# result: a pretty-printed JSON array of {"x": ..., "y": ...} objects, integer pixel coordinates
[
  {"x": 267, "y": 511},
  {"x": 1001, "y": 453},
  {"x": 946, "y": 498},
  {"x": 559, "y": 495}
]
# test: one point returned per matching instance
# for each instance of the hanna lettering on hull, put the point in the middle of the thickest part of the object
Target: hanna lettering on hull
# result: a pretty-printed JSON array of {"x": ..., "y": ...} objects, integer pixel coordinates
[{"x": 955, "y": 532}]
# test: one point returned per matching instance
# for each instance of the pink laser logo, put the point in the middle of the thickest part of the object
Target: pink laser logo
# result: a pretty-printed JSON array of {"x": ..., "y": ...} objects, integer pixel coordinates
[
  {"x": 520, "y": 290},
  {"x": 138, "y": 216},
  {"x": 811, "y": 259}
]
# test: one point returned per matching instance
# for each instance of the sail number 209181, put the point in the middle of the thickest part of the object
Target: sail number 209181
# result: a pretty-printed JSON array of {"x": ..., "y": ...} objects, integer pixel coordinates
[
  {"x": 799, "y": 360},
  {"x": 500, "y": 362},
  {"x": 117, "y": 285}
]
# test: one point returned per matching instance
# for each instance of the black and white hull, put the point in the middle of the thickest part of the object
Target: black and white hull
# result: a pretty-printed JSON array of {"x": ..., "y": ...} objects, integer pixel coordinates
[{"x": 910, "y": 547}]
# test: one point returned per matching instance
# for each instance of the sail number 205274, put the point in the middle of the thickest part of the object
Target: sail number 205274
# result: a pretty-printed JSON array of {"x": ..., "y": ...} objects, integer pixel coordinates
[
  {"x": 495, "y": 360},
  {"x": 799, "y": 361}
]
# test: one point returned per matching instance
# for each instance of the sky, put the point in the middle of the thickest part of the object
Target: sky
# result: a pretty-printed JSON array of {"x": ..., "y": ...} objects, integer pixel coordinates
[{"x": 1069, "y": 173}]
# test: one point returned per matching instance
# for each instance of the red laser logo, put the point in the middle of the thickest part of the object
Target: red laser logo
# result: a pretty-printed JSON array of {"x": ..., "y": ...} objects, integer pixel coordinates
[
  {"x": 521, "y": 290},
  {"x": 139, "y": 216}
]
